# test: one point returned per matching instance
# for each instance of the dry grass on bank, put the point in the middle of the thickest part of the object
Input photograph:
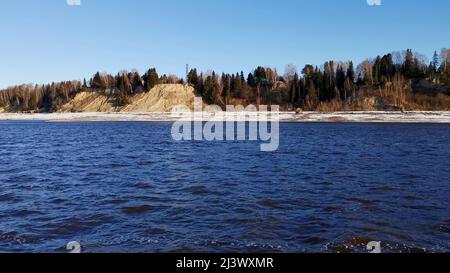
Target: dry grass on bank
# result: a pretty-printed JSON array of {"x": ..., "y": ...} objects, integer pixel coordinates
[{"x": 393, "y": 96}]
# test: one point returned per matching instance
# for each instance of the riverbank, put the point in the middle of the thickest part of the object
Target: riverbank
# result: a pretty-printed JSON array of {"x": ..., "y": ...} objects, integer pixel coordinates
[{"x": 365, "y": 117}]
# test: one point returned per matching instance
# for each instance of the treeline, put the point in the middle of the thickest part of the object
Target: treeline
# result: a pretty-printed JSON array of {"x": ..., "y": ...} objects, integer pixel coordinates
[
  {"x": 51, "y": 97},
  {"x": 400, "y": 80},
  {"x": 339, "y": 83}
]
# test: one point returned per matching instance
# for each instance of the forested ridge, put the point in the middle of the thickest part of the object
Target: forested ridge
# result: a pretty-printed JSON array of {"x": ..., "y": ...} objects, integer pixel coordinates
[{"x": 402, "y": 80}]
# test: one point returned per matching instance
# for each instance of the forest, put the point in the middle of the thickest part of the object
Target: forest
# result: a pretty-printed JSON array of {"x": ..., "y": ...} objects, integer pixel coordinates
[{"x": 398, "y": 81}]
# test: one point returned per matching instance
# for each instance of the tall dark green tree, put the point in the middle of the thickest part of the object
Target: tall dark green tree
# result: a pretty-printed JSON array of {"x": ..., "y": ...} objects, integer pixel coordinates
[
  {"x": 192, "y": 77},
  {"x": 409, "y": 67},
  {"x": 329, "y": 80},
  {"x": 312, "y": 98},
  {"x": 226, "y": 88},
  {"x": 260, "y": 75},
  {"x": 151, "y": 79},
  {"x": 351, "y": 72},
  {"x": 136, "y": 82},
  {"x": 251, "y": 80},
  {"x": 211, "y": 92},
  {"x": 261, "y": 82},
  {"x": 243, "y": 81},
  {"x": 294, "y": 89},
  {"x": 340, "y": 81}
]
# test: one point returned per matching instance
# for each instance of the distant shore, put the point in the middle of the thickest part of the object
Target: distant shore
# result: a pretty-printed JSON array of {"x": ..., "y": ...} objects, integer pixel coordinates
[{"x": 338, "y": 117}]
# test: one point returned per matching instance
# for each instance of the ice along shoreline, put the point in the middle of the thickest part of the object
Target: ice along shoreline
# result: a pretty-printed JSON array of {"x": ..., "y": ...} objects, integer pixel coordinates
[{"x": 338, "y": 117}]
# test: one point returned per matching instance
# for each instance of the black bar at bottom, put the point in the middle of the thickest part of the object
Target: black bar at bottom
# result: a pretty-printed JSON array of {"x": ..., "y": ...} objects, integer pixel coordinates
[{"x": 219, "y": 262}]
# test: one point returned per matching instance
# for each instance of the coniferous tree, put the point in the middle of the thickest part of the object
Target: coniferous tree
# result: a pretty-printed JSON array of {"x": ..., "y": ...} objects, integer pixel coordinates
[
  {"x": 260, "y": 80},
  {"x": 409, "y": 67},
  {"x": 376, "y": 70},
  {"x": 136, "y": 82},
  {"x": 98, "y": 82},
  {"x": 251, "y": 80},
  {"x": 192, "y": 77},
  {"x": 328, "y": 81},
  {"x": 351, "y": 72},
  {"x": 340, "y": 81},
  {"x": 243, "y": 81},
  {"x": 211, "y": 92},
  {"x": 312, "y": 95},
  {"x": 226, "y": 85},
  {"x": 435, "y": 62},
  {"x": 260, "y": 75},
  {"x": 294, "y": 90},
  {"x": 151, "y": 79},
  {"x": 236, "y": 86}
]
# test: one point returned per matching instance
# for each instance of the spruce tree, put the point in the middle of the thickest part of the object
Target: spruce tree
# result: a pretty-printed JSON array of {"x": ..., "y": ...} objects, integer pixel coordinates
[
  {"x": 237, "y": 86},
  {"x": 435, "y": 62},
  {"x": 136, "y": 82},
  {"x": 312, "y": 95},
  {"x": 192, "y": 77},
  {"x": 351, "y": 72},
  {"x": 409, "y": 67},
  {"x": 243, "y": 81},
  {"x": 251, "y": 80},
  {"x": 226, "y": 85},
  {"x": 151, "y": 79},
  {"x": 211, "y": 93}
]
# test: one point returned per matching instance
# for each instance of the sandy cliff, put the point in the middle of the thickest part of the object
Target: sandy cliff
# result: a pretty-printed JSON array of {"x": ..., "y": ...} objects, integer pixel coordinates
[{"x": 162, "y": 98}]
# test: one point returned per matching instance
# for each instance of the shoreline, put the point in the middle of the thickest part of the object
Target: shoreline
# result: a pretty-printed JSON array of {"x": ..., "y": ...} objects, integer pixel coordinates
[{"x": 306, "y": 117}]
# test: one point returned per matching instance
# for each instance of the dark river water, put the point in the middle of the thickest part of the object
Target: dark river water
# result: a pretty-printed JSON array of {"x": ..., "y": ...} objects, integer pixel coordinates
[{"x": 128, "y": 187}]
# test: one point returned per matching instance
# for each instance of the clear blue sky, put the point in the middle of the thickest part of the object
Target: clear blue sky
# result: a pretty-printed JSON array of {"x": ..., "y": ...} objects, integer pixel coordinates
[{"x": 48, "y": 40}]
